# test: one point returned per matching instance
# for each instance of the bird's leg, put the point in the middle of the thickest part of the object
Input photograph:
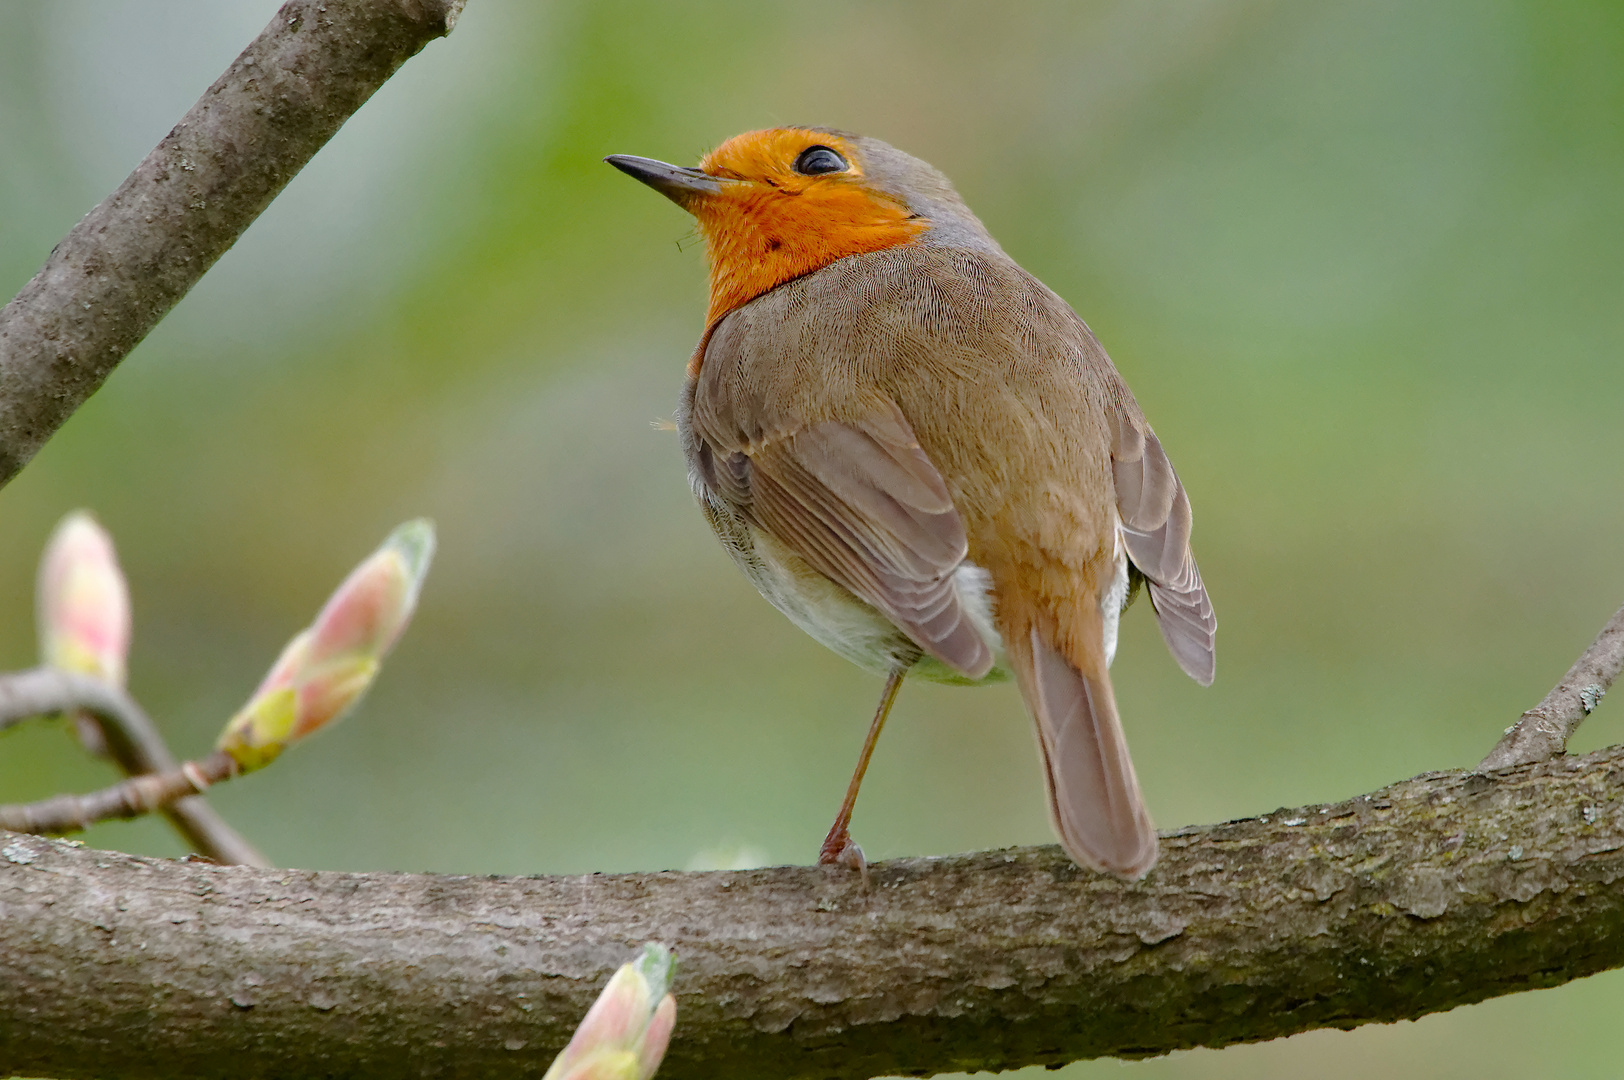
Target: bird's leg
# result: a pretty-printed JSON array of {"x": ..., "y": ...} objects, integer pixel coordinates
[{"x": 838, "y": 846}]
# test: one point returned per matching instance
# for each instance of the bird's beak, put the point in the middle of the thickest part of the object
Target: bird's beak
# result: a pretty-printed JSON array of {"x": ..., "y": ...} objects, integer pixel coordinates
[{"x": 682, "y": 186}]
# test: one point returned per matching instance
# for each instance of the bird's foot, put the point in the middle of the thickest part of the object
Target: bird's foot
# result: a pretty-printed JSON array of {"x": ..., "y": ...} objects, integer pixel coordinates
[{"x": 839, "y": 849}]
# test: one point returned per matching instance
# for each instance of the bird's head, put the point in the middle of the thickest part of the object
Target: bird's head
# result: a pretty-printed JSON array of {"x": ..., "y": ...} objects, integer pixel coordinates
[{"x": 776, "y": 204}]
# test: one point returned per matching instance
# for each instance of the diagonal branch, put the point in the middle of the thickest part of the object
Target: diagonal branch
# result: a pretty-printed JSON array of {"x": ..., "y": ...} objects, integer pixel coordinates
[
  {"x": 131, "y": 259},
  {"x": 1439, "y": 891},
  {"x": 132, "y": 740},
  {"x": 1543, "y": 731}
]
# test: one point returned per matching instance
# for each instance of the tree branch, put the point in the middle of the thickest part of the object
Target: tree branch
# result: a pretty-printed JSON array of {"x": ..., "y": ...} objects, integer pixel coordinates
[
  {"x": 131, "y": 259},
  {"x": 134, "y": 797},
  {"x": 1544, "y": 731},
  {"x": 133, "y": 741},
  {"x": 1436, "y": 892}
]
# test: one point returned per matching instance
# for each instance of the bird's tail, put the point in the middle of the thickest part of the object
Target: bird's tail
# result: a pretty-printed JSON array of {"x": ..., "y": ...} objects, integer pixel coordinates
[{"x": 1094, "y": 799}]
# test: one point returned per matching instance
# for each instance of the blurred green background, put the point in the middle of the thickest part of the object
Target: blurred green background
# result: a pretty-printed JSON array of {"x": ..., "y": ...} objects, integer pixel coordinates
[{"x": 1359, "y": 261}]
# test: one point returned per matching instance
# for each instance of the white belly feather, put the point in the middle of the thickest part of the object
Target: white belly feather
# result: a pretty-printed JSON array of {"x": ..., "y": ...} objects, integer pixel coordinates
[
  {"x": 857, "y": 631},
  {"x": 1115, "y": 596},
  {"x": 852, "y": 628}
]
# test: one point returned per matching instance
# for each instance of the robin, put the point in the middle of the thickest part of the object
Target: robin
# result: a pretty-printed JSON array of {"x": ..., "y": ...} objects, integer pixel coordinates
[{"x": 923, "y": 457}]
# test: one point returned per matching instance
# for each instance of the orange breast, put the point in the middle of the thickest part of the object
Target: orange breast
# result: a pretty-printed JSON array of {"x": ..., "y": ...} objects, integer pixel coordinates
[{"x": 776, "y": 225}]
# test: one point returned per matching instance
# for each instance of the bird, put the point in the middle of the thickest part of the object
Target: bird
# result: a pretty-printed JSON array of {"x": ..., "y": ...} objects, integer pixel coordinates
[{"x": 924, "y": 458}]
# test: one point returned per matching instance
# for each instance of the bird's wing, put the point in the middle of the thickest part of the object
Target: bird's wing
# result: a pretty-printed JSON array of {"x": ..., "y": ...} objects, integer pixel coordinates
[
  {"x": 863, "y": 505},
  {"x": 1155, "y": 514}
]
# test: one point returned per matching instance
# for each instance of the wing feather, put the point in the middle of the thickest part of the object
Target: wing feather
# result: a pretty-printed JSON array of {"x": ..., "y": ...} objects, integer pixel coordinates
[
  {"x": 1156, "y": 519},
  {"x": 862, "y": 504}
]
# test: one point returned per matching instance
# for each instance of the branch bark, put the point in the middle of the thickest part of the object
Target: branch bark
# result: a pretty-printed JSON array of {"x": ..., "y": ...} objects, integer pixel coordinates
[
  {"x": 132, "y": 258},
  {"x": 133, "y": 741},
  {"x": 1543, "y": 731},
  {"x": 1436, "y": 892}
]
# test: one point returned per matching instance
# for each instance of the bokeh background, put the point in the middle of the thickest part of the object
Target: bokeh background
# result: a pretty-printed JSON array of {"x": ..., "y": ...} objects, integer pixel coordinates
[{"x": 1360, "y": 262}]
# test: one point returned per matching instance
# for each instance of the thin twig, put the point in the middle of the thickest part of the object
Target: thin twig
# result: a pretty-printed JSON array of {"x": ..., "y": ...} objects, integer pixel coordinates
[
  {"x": 1544, "y": 731},
  {"x": 130, "y": 798},
  {"x": 132, "y": 740}
]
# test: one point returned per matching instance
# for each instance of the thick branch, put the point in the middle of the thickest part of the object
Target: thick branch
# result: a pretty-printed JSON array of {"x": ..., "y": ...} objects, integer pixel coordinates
[
  {"x": 132, "y": 740},
  {"x": 133, "y": 257},
  {"x": 1544, "y": 731},
  {"x": 1439, "y": 891}
]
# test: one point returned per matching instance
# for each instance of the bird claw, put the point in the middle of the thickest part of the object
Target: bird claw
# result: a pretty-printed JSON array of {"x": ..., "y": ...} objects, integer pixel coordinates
[{"x": 841, "y": 850}]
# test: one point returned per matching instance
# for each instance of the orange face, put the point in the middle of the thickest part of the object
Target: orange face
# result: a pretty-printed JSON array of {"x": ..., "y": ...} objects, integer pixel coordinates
[{"x": 789, "y": 211}]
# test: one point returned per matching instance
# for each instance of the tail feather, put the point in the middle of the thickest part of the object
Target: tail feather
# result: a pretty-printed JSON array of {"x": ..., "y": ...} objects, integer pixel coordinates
[{"x": 1094, "y": 798}]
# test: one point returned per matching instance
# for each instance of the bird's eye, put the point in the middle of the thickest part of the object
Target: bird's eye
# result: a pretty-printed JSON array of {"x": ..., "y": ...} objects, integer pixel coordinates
[{"x": 817, "y": 160}]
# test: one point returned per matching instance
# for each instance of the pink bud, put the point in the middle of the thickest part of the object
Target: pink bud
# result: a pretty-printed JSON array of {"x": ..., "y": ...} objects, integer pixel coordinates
[
  {"x": 287, "y": 665},
  {"x": 324, "y": 670},
  {"x": 368, "y": 610},
  {"x": 625, "y": 1033},
  {"x": 657, "y": 1037},
  {"x": 323, "y": 694},
  {"x": 83, "y": 602}
]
